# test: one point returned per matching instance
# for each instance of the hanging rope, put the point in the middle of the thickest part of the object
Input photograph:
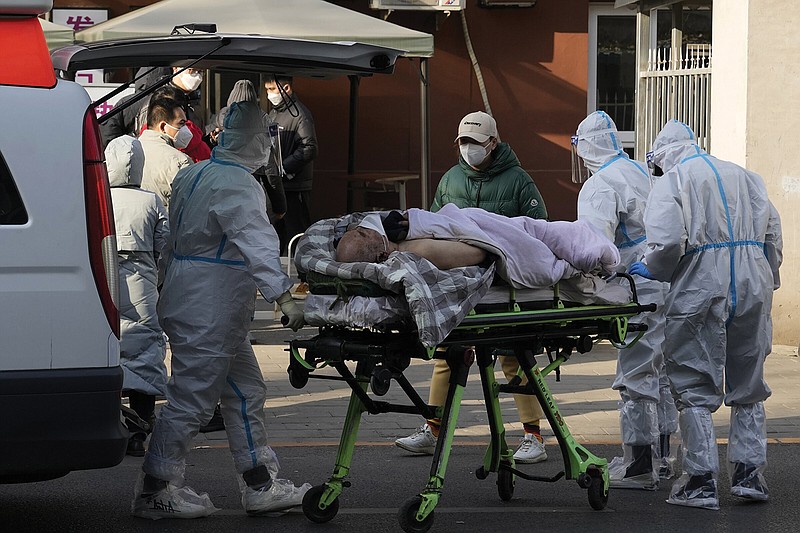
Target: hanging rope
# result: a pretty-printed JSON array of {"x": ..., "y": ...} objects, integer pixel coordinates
[{"x": 475, "y": 65}]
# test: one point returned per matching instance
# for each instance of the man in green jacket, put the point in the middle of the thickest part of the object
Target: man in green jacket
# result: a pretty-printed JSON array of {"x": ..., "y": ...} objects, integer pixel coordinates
[{"x": 488, "y": 175}]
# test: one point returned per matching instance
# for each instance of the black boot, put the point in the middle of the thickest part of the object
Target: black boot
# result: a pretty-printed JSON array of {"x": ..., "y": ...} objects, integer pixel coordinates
[
  {"x": 700, "y": 491},
  {"x": 136, "y": 445},
  {"x": 152, "y": 485},
  {"x": 216, "y": 423},
  {"x": 639, "y": 473},
  {"x": 642, "y": 461},
  {"x": 665, "y": 468},
  {"x": 747, "y": 482},
  {"x": 258, "y": 478}
]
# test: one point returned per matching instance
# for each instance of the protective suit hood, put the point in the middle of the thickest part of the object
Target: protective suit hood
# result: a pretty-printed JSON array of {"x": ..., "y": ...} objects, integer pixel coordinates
[
  {"x": 598, "y": 141},
  {"x": 243, "y": 91},
  {"x": 675, "y": 142},
  {"x": 125, "y": 162},
  {"x": 245, "y": 139}
]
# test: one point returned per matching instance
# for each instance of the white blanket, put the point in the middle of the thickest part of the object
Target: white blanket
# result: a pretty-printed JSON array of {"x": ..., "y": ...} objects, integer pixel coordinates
[{"x": 530, "y": 252}]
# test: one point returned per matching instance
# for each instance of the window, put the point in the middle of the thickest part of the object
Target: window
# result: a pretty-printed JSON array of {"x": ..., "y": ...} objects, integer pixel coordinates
[
  {"x": 612, "y": 67},
  {"x": 696, "y": 31},
  {"x": 12, "y": 211},
  {"x": 612, "y": 58}
]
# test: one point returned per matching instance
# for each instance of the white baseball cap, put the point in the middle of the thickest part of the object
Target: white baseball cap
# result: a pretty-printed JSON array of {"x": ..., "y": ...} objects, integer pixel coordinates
[{"x": 478, "y": 125}]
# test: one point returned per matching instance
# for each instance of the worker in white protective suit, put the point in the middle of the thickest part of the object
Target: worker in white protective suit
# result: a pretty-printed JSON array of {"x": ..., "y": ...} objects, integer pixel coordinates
[
  {"x": 222, "y": 249},
  {"x": 713, "y": 233},
  {"x": 613, "y": 200},
  {"x": 142, "y": 231}
]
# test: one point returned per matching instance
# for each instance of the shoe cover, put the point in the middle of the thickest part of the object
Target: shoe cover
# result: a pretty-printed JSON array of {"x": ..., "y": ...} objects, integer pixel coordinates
[
  {"x": 695, "y": 491},
  {"x": 697, "y": 486},
  {"x": 669, "y": 436},
  {"x": 280, "y": 495},
  {"x": 172, "y": 502},
  {"x": 639, "y": 429},
  {"x": 638, "y": 422},
  {"x": 748, "y": 435},
  {"x": 264, "y": 455},
  {"x": 667, "y": 412},
  {"x": 667, "y": 456},
  {"x": 634, "y": 470},
  {"x": 699, "y": 444},
  {"x": 747, "y": 481}
]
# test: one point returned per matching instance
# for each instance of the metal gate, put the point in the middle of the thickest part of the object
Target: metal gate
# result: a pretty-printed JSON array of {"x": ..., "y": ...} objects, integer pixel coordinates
[{"x": 680, "y": 88}]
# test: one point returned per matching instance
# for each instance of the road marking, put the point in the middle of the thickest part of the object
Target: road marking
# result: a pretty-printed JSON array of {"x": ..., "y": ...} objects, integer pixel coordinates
[
  {"x": 548, "y": 440},
  {"x": 583, "y": 509}
]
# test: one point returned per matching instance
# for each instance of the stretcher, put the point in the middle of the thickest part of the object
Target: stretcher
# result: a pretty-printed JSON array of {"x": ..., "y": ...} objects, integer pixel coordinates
[{"x": 522, "y": 323}]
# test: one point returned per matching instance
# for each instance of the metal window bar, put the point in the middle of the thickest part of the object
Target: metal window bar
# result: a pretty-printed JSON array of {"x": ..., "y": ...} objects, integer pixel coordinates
[{"x": 679, "y": 87}]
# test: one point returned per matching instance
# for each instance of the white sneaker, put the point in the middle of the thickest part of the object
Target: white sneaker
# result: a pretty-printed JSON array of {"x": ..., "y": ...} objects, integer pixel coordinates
[
  {"x": 421, "y": 441},
  {"x": 530, "y": 450},
  {"x": 281, "y": 495},
  {"x": 173, "y": 502}
]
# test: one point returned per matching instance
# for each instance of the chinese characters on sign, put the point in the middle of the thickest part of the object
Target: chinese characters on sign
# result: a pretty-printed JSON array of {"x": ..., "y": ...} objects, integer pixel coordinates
[
  {"x": 79, "y": 19},
  {"x": 98, "y": 91}
]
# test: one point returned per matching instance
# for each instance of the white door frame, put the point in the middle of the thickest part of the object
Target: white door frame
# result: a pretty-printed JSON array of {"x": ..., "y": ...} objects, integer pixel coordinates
[{"x": 596, "y": 10}]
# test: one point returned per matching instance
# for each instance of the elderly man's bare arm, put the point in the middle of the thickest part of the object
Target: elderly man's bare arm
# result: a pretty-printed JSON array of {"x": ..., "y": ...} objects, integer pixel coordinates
[{"x": 443, "y": 253}]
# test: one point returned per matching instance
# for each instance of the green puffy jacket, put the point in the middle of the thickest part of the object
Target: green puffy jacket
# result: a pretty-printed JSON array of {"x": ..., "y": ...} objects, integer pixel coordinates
[{"x": 503, "y": 188}]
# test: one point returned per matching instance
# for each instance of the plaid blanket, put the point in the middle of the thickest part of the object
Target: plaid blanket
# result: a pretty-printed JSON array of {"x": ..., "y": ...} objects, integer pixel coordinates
[{"x": 438, "y": 299}]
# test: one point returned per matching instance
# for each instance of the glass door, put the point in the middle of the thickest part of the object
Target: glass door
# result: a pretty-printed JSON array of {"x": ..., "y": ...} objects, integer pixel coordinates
[{"x": 612, "y": 67}]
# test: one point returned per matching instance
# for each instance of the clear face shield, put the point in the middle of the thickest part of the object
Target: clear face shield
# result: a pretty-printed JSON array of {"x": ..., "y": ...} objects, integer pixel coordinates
[
  {"x": 579, "y": 171},
  {"x": 655, "y": 170}
]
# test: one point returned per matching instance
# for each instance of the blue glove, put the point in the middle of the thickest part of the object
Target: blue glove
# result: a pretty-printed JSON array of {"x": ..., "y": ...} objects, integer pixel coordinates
[{"x": 639, "y": 269}]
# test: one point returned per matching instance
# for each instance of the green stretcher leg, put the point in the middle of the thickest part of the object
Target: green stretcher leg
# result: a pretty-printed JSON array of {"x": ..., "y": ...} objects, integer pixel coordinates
[
  {"x": 578, "y": 461},
  {"x": 459, "y": 369},
  {"x": 498, "y": 450},
  {"x": 344, "y": 455}
]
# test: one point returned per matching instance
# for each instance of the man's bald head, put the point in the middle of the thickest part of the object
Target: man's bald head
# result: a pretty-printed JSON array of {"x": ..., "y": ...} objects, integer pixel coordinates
[{"x": 361, "y": 245}]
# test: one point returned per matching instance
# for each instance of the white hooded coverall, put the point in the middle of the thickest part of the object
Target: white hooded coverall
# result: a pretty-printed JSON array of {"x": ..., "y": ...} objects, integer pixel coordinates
[
  {"x": 142, "y": 231},
  {"x": 713, "y": 233},
  {"x": 613, "y": 200},
  {"x": 222, "y": 248}
]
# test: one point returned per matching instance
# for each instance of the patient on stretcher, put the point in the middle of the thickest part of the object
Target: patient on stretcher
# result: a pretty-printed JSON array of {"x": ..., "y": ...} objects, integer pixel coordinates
[
  {"x": 529, "y": 252},
  {"x": 539, "y": 256},
  {"x": 363, "y": 243}
]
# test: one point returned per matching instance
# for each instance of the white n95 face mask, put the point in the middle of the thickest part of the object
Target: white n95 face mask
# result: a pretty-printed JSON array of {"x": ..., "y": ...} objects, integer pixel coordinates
[
  {"x": 182, "y": 138},
  {"x": 275, "y": 98},
  {"x": 191, "y": 80},
  {"x": 473, "y": 154}
]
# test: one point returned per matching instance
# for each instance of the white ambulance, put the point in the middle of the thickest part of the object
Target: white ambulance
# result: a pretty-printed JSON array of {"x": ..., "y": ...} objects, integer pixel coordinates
[{"x": 60, "y": 379}]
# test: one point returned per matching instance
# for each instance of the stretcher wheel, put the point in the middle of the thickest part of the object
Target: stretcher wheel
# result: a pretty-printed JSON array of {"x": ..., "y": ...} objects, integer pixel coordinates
[
  {"x": 598, "y": 495},
  {"x": 311, "y": 506},
  {"x": 505, "y": 484},
  {"x": 298, "y": 378},
  {"x": 380, "y": 381},
  {"x": 407, "y": 516}
]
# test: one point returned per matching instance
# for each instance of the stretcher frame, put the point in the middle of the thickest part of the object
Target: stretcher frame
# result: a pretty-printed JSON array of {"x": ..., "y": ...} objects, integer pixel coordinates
[{"x": 382, "y": 356}]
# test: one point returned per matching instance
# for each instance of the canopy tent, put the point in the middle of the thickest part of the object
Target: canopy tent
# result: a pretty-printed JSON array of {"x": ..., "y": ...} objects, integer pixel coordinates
[
  {"x": 56, "y": 35},
  {"x": 301, "y": 19}
]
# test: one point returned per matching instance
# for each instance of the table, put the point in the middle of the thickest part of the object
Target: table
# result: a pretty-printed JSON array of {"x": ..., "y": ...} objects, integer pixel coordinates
[{"x": 364, "y": 182}]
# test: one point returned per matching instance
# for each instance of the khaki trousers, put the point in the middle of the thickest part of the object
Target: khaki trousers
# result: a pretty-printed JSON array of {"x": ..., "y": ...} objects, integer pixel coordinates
[{"x": 528, "y": 406}]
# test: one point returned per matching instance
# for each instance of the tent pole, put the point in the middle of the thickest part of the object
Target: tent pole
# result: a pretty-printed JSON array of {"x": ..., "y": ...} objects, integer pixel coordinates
[
  {"x": 425, "y": 169},
  {"x": 351, "y": 141}
]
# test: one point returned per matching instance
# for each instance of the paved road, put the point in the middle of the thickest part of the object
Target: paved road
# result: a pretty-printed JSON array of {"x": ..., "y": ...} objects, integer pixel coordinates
[
  {"x": 383, "y": 478},
  {"x": 305, "y": 426}
]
